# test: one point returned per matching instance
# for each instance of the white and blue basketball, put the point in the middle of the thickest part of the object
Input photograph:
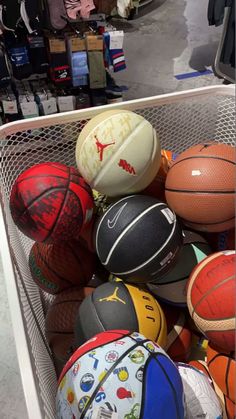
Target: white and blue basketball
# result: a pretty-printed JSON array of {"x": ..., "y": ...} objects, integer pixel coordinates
[
  {"x": 138, "y": 238},
  {"x": 120, "y": 375},
  {"x": 201, "y": 401}
]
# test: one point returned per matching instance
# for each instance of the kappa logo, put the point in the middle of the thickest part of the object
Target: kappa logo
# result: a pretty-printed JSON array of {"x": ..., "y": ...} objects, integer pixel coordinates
[
  {"x": 101, "y": 147},
  {"x": 113, "y": 297},
  {"x": 111, "y": 223}
]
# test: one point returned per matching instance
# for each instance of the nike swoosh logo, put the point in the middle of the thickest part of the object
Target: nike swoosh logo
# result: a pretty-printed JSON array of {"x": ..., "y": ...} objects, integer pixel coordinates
[{"x": 112, "y": 223}]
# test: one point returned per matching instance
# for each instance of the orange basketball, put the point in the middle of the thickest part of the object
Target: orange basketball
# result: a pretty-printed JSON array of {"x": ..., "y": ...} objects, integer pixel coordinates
[
  {"x": 60, "y": 320},
  {"x": 200, "y": 187},
  {"x": 55, "y": 267},
  {"x": 227, "y": 405},
  {"x": 178, "y": 335},
  {"x": 222, "y": 369},
  {"x": 211, "y": 298}
]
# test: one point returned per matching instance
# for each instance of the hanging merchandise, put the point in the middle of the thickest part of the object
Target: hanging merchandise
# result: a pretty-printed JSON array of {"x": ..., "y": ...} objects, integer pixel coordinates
[
  {"x": 116, "y": 50},
  {"x": 223, "y": 12},
  {"x": 59, "y": 66},
  {"x": 228, "y": 50},
  {"x": 56, "y": 14},
  {"x": 38, "y": 54},
  {"x": 5, "y": 77},
  {"x": 10, "y": 14},
  {"x": 31, "y": 15},
  {"x": 82, "y": 8}
]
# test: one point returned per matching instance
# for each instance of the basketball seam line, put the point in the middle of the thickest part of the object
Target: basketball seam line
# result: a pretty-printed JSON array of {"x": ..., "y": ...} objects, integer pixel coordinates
[
  {"x": 106, "y": 213},
  {"x": 109, "y": 372},
  {"x": 161, "y": 321},
  {"x": 41, "y": 176},
  {"x": 203, "y": 157},
  {"x": 120, "y": 147},
  {"x": 209, "y": 292},
  {"x": 223, "y": 192},
  {"x": 128, "y": 227},
  {"x": 226, "y": 376},
  {"x": 67, "y": 367},
  {"x": 50, "y": 232},
  {"x": 170, "y": 383},
  {"x": 152, "y": 257},
  {"x": 44, "y": 260},
  {"x": 132, "y": 305},
  {"x": 208, "y": 223}
]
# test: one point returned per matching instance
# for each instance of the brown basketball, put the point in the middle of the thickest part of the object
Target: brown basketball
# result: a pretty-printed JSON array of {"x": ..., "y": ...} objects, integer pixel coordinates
[
  {"x": 55, "y": 267},
  {"x": 60, "y": 320},
  {"x": 200, "y": 187},
  {"x": 222, "y": 369}
]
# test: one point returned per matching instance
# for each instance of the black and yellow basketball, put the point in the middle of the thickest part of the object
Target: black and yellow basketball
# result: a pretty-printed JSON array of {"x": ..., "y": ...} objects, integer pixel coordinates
[{"x": 116, "y": 305}]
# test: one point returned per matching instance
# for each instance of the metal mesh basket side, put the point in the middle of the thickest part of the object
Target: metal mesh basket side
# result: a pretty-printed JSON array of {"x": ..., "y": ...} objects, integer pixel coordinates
[
  {"x": 33, "y": 319},
  {"x": 181, "y": 122}
]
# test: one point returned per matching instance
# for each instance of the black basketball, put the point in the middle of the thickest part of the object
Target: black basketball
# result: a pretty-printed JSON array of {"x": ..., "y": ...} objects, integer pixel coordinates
[{"x": 138, "y": 238}]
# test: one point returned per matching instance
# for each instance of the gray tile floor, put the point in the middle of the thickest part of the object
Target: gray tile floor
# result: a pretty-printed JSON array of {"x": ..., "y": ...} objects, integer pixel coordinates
[{"x": 167, "y": 38}]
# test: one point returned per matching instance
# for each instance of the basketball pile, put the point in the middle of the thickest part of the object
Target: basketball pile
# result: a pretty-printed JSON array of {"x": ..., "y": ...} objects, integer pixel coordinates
[{"x": 136, "y": 247}]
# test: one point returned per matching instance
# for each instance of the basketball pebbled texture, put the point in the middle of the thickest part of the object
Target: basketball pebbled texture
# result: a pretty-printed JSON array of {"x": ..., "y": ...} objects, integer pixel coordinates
[
  {"x": 55, "y": 267},
  {"x": 171, "y": 288},
  {"x": 211, "y": 297},
  {"x": 60, "y": 321},
  {"x": 138, "y": 238},
  {"x": 50, "y": 202},
  {"x": 222, "y": 367},
  {"x": 117, "y": 305},
  {"x": 118, "y": 152},
  {"x": 200, "y": 187}
]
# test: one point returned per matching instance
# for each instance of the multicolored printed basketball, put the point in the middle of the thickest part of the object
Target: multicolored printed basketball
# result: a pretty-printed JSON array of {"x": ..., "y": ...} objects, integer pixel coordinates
[
  {"x": 138, "y": 238},
  {"x": 116, "y": 305},
  {"x": 211, "y": 298},
  {"x": 222, "y": 367},
  {"x": 119, "y": 374},
  {"x": 50, "y": 202},
  {"x": 171, "y": 288},
  {"x": 200, "y": 187},
  {"x": 178, "y": 335},
  {"x": 201, "y": 400},
  {"x": 55, "y": 267},
  {"x": 60, "y": 321},
  {"x": 118, "y": 152}
]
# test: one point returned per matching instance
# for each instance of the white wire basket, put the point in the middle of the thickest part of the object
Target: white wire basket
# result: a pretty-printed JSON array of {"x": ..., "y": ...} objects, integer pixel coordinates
[{"x": 181, "y": 120}]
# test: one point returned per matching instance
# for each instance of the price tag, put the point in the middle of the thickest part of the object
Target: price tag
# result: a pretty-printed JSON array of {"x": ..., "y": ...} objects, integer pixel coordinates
[
  {"x": 66, "y": 103},
  {"x": 9, "y": 106},
  {"x": 29, "y": 109},
  {"x": 49, "y": 106},
  {"x": 116, "y": 39}
]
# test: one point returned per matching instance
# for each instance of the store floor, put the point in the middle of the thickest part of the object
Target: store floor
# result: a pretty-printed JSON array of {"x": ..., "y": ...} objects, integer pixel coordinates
[{"x": 168, "y": 38}]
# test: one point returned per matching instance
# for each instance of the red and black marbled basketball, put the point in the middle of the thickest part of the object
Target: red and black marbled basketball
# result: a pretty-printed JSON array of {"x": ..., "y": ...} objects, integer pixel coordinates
[{"x": 51, "y": 202}]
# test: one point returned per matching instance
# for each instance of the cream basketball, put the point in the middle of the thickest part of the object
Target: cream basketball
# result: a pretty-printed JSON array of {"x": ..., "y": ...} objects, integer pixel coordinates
[{"x": 118, "y": 152}]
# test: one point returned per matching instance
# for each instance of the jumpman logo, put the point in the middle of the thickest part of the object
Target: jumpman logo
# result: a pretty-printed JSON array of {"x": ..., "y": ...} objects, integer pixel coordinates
[
  {"x": 113, "y": 297},
  {"x": 101, "y": 147}
]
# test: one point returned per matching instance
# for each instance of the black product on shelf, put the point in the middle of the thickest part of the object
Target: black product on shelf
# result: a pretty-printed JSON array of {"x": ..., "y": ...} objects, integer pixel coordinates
[{"x": 38, "y": 54}]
